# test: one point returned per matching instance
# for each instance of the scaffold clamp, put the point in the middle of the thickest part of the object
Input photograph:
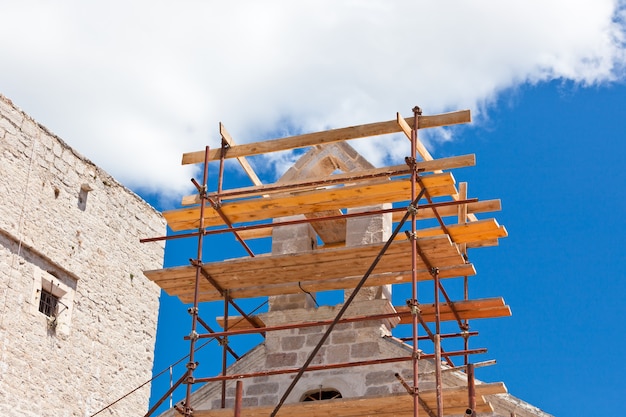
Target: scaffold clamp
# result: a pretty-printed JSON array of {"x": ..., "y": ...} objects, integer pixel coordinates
[{"x": 414, "y": 306}]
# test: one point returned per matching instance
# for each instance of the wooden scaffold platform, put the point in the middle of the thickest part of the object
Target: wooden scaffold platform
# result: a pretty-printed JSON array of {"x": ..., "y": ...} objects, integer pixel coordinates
[{"x": 423, "y": 189}]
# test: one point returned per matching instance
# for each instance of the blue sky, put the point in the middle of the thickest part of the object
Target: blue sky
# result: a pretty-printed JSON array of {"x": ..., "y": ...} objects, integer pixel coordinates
[{"x": 134, "y": 85}]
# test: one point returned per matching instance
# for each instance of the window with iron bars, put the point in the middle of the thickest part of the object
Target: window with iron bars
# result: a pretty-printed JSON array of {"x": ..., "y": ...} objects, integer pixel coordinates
[{"x": 48, "y": 303}]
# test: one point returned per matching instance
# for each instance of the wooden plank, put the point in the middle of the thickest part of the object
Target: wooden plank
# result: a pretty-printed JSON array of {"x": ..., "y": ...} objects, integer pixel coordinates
[
  {"x": 331, "y": 232},
  {"x": 374, "y": 192},
  {"x": 485, "y": 206},
  {"x": 470, "y": 309},
  {"x": 239, "y": 322},
  {"x": 273, "y": 269},
  {"x": 354, "y": 177},
  {"x": 419, "y": 146},
  {"x": 401, "y": 405},
  {"x": 483, "y": 243},
  {"x": 422, "y": 214},
  {"x": 242, "y": 160},
  {"x": 330, "y": 269},
  {"x": 477, "y": 231},
  {"x": 467, "y": 309},
  {"x": 329, "y": 136}
]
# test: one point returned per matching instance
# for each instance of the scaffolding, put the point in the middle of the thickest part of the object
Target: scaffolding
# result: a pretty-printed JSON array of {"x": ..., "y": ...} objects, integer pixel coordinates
[{"x": 422, "y": 189}]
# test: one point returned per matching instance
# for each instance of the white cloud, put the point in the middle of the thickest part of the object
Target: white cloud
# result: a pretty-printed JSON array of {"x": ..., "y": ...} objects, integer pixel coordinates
[{"x": 133, "y": 85}]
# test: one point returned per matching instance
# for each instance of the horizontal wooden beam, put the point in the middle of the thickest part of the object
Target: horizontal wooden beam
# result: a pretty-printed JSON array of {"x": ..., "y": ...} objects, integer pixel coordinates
[
  {"x": 329, "y": 269},
  {"x": 467, "y": 309},
  {"x": 329, "y": 136},
  {"x": 422, "y": 214},
  {"x": 359, "y": 195},
  {"x": 354, "y": 177}
]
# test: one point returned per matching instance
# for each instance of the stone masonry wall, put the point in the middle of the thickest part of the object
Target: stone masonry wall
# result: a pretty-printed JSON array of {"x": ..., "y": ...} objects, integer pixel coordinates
[{"x": 68, "y": 227}]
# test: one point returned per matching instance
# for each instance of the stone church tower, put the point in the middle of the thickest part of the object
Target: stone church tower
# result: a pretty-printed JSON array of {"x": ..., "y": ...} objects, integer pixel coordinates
[{"x": 77, "y": 317}]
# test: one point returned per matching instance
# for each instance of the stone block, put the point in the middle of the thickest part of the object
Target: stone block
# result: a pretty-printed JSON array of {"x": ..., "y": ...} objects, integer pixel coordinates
[
  {"x": 280, "y": 360},
  {"x": 364, "y": 350},
  {"x": 380, "y": 378},
  {"x": 292, "y": 343},
  {"x": 337, "y": 337},
  {"x": 267, "y": 400},
  {"x": 337, "y": 353},
  {"x": 373, "y": 391},
  {"x": 263, "y": 388}
]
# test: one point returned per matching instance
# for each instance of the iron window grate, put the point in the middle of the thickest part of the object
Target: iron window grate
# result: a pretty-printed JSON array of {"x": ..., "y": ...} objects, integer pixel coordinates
[{"x": 48, "y": 303}]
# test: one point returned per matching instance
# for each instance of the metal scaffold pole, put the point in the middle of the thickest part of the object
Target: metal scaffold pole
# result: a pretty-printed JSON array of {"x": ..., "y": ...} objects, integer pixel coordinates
[
  {"x": 414, "y": 302},
  {"x": 197, "y": 263}
]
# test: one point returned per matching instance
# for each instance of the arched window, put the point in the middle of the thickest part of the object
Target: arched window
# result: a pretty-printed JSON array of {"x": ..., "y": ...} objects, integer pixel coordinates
[{"x": 321, "y": 394}]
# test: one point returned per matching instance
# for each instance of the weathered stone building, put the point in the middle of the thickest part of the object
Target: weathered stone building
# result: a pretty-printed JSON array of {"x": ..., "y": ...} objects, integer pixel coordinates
[{"x": 77, "y": 317}]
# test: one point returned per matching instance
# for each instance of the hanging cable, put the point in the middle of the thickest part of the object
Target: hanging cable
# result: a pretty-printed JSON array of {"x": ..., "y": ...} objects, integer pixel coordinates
[
  {"x": 20, "y": 224},
  {"x": 151, "y": 379},
  {"x": 309, "y": 294}
]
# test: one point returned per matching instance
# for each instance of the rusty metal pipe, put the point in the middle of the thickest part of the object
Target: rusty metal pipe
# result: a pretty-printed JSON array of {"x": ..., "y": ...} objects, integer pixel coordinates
[
  {"x": 438, "y": 380},
  {"x": 442, "y": 336},
  {"x": 414, "y": 253},
  {"x": 333, "y": 366},
  {"x": 218, "y": 338},
  {"x": 224, "y": 350},
  {"x": 238, "y": 398},
  {"x": 191, "y": 365},
  {"x": 216, "y": 206},
  {"x": 471, "y": 389},
  {"x": 167, "y": 394},
  {"x": 230, "y": 300}
]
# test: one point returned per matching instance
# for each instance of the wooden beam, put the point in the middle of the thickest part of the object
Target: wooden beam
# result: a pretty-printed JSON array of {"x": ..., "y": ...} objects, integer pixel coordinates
[
  {"x": 242, "y": 160},
  {"x": 422, "y": 214},
  {"x": 354, "y": 177},
  {"x": 329, "y": 269},
  {"x": 467, "y": 309},
  {"x": 359, "y": 195},
  {"x": 329, "y": 136},
  {"x": 419, "y": 146}
]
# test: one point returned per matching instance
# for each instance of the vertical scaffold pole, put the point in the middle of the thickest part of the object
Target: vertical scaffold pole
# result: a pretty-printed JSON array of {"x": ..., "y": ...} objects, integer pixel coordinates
[
  {"x": 414, "y": 303},
  {"x": 471, "y": 389},
  {"x": 238, "y": 398},
  {"x": 193, "y": 337},
  {"x": 437, "y": 340},
  {"x": 224, "y": 343},
  {"x": 462, "y": 219}
]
